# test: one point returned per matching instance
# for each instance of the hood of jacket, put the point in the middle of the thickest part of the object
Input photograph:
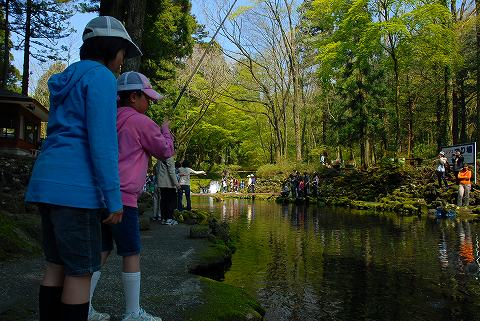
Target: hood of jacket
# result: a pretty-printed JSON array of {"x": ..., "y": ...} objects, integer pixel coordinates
[
  {"x": 61, "y": 84},
  {"x": 123, "y": 114}
]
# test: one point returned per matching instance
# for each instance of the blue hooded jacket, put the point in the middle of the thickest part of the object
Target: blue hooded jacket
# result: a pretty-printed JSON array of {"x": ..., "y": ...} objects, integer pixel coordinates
[{"x": 78, "y": 163}]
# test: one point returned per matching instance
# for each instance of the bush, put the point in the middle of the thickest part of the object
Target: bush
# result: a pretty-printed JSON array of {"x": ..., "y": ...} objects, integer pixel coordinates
[
  {"x": 281, "y": 171},
  {"x": 197, "y": 182}
]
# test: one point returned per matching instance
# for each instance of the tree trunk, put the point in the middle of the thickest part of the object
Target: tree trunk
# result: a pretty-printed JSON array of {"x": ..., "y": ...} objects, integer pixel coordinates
[
  {"x": 455, "y": 109},
  {"x": 291, "y": 47},
  {"x": 448, "y": 104},
  {"x": 134, "y": 24},
  {"x": 296, "y": 104},
  {"x": 440, "y": 132},
  {"x": 410, "y": 134},
  {"x": 397, "y": 102},
  {"x": 324, "y": 127},
  {"x": 114, "y": 8},
  {"x": 6, "y": 47},
  {"x": 463, "y": 108},
  {"x": 26, "y": 52}
]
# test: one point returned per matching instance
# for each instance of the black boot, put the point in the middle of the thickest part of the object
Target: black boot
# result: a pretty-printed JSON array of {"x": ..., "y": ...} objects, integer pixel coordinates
[{"x": 50, "y": 303}]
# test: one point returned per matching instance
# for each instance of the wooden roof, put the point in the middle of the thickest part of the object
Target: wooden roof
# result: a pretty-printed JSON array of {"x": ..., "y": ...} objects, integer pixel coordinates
[{"x": 26, "y": 102}]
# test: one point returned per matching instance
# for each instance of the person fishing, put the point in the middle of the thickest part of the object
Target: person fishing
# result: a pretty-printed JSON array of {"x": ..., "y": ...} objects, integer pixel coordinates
[{"x": 458, "y": 162}]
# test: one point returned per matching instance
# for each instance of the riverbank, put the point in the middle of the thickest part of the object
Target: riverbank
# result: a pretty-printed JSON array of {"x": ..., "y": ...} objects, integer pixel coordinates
[
  {"x": 391, "y": 187},
  {"x": 168, "y": 289}
]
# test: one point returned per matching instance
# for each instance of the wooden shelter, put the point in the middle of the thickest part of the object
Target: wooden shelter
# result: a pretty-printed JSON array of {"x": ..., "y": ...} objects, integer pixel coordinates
[{"x": 20, "y": 121}]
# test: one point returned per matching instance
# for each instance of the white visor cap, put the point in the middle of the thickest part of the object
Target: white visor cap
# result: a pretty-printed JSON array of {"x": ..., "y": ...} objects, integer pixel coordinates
[
  {"x": 132, "y": 80},
  {"x": 106, "y": 26}
]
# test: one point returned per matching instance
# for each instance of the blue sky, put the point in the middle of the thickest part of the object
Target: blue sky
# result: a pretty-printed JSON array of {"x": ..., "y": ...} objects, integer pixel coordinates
[{"x": 79, "y": 21}]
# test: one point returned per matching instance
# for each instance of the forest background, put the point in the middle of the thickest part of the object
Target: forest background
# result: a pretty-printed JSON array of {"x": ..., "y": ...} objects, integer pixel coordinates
[{"x": 288, "y": 80}]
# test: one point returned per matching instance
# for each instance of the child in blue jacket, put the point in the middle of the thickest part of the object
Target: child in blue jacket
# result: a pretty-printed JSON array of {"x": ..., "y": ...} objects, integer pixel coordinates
[{"x": 76, "y": 175}]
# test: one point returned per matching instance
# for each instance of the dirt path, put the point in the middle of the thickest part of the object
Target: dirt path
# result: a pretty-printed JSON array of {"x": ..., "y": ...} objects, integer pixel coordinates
[{"x": 167, "y": 287}]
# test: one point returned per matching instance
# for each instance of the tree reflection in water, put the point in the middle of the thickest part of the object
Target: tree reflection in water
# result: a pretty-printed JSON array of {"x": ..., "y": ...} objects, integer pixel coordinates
[{"x": 307, "y": 263}]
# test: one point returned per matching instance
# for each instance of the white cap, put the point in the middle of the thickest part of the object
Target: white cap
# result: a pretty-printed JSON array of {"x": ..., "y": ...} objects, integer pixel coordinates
[
  {"x": 106, "y": 26},
  {"x": 133, "y": 80}
]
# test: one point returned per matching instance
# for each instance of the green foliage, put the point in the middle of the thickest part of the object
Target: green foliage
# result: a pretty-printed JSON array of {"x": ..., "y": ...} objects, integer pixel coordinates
[
  {"x": 167, "y": 39},
  {"x": 282, "y": 170},
  {"x": 18, "y": 235},
  {"x": 42, "y": 94}
]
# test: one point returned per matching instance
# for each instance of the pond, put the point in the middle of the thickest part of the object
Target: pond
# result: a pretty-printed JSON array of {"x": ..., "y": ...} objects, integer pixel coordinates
[{"x": 308, "y": 263}]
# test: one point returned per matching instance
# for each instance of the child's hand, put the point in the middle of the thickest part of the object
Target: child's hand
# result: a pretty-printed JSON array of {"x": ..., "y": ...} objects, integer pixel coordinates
[{"x": 114, "y": 218}]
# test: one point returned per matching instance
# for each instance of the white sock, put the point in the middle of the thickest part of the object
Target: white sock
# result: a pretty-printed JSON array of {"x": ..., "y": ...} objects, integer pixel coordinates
[
  {"x": 93, "y": 284},
  {"x": 131, "y": 289}
]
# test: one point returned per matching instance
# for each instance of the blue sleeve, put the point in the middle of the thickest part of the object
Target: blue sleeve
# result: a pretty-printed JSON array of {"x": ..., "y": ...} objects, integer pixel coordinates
[{"x": 101, "y": 111}]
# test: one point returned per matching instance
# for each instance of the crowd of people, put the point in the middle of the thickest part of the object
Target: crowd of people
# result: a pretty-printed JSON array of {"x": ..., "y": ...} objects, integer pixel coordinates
[
  {"x": 300, "y": 186},
  {"x": 168, "y": 184},
  {"x": 230, "y": 184},
  {"x": 462, "y": 175}
]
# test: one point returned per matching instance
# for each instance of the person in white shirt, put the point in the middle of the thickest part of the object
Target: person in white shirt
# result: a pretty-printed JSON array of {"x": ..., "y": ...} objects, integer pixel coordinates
[
  {"x": 440, "y": 164},
  {"x": 184, "y": 172}
]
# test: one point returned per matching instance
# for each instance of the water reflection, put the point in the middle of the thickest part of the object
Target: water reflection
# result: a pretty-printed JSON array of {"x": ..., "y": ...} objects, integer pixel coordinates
[
  {"x": 443, "y": 250},
  {"x": 306, "y": 263}
]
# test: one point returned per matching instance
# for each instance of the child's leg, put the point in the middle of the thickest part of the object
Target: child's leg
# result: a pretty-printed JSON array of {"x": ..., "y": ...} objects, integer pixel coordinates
[
  {"x": 77, "y": 236},
  {"x": 76, "y": 289},
  {"x": 54, "y": 275},
  {"x": 93, "y": 285},
  {"x": 50, "y": 294},
  {"x": 107, "y": 246},
  {"x": 131, "y": 283},
  {"x": 127, "y": 238},
  {"x": 75, "y": 298}
]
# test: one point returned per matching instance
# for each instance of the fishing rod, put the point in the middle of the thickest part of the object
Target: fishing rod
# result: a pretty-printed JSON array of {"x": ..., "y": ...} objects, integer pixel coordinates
[{"x": 203, "y": 56}]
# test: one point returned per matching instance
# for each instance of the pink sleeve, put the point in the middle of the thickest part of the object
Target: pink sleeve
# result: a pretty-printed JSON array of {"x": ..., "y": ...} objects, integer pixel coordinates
[{"x": 155, "y": 140}]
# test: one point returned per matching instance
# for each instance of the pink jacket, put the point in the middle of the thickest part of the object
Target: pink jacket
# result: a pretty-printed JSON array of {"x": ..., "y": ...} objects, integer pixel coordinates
[{"x": 139, "y": 137}]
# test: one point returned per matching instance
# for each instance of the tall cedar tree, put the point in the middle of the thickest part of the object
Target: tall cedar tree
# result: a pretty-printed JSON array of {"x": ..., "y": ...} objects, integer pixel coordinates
[
  {"x": 39, "y": 24},
  {"x": 10, "y": 74},
  {"x": 167, "y": 39}
]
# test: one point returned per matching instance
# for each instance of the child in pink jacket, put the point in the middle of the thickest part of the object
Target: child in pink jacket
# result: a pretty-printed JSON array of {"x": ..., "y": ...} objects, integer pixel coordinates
[{"x": 139, "y": 138}]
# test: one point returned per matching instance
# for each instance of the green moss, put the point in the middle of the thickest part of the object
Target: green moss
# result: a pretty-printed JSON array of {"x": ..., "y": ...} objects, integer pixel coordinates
[
  {"x": 199, "y": 231},
  {"x": 223, "y": 302},
  {"x": 19, "y": 235},
  {"x": 192, "y": 217},
  {"x": 215, "y": 253}
]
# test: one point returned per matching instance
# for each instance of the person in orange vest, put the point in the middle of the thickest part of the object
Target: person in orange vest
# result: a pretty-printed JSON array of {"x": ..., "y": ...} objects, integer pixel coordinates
[{"x": 464, "y": 185}]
